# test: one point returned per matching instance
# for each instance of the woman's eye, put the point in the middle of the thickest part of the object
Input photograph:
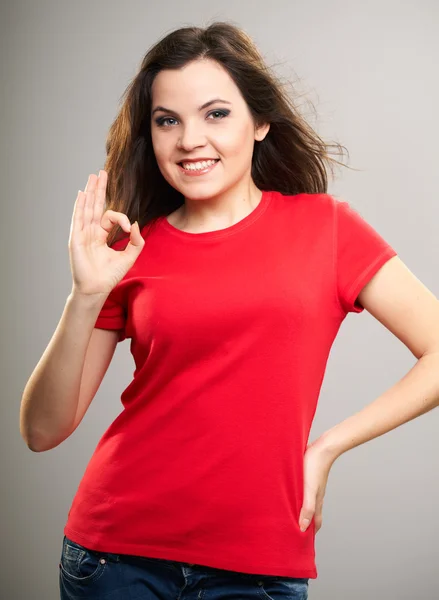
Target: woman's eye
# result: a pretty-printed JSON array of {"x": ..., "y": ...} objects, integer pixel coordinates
[
  {"x": 162, "y": 120},
  {"x": 220, "y": 112}
]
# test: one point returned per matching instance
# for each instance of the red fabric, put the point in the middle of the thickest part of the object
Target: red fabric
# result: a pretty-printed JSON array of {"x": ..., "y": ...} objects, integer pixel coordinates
[{"x": 230, "y": 333}]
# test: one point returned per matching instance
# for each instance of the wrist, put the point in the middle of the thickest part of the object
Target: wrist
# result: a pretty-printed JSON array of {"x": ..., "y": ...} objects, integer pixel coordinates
[
  {"x": 327, "y": 447},
  {"x": 86, "y": 301}
]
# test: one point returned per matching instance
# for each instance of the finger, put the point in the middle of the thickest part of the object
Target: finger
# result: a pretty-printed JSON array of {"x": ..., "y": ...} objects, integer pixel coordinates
[
  {"x": 110, "y": 218},
  {"x": 98, "y": 208},
  {"x": 89, "y": 200},
  {"x": 78, "y": 215}
]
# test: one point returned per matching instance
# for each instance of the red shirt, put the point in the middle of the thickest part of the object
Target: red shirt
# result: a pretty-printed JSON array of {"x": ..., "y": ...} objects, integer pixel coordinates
[{"x": 230, "y": 333}]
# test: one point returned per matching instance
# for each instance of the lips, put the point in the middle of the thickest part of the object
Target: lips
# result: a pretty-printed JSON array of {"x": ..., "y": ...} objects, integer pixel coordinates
[
  {"x": 198, "y": 172},
  {"x": 196, "y": 160}
]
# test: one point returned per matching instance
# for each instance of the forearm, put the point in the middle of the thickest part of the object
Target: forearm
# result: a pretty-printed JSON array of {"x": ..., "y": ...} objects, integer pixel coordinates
[
  {"x": 50, "y": 397},
  {"x": 415, "y": 394}
]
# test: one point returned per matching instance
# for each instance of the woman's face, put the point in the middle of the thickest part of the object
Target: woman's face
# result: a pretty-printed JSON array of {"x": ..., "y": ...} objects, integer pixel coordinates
[{"x": 223, "y": 130}]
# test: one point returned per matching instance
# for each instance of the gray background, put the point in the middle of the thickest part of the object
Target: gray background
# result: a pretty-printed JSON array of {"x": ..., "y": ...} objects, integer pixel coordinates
[{"x": 371, "y": 72}]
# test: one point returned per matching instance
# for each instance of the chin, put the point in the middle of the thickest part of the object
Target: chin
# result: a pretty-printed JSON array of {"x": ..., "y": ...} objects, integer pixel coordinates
[{"x": 201, "y": 194}]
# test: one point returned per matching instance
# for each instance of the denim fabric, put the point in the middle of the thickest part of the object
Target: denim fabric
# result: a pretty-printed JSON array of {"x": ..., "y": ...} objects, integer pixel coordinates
[{"x": 96, "y": 575}]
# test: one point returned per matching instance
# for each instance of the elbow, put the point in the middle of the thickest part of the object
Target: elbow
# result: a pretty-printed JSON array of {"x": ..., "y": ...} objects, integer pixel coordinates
[
  {"x": 27, "y": 436},
  {"x": 38, "y": 441},
  {"x": 41, "y": 444},
  {"x": 31, "y": 442},
  {"x": 36, "y": 446}
]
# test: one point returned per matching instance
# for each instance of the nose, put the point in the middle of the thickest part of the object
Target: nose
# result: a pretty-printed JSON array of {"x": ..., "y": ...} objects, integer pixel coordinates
[{"x": 191, "y": 138}]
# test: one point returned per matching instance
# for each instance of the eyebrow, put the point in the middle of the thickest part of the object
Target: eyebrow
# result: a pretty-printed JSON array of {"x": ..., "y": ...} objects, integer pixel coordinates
[{"x": 205, "y": 105}]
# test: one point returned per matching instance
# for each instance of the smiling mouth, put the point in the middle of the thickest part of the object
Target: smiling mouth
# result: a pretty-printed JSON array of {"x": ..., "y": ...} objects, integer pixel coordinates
[
  {"x": 198, "y": 171},
  {"x": 193, "y": 162}
]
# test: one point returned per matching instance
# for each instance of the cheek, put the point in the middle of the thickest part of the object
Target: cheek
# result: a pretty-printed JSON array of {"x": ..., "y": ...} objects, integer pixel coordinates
[
  {"x": 158, "y": 149},
  {"x": 237, "y": 142},
  {"x": 162, "y": 146}
]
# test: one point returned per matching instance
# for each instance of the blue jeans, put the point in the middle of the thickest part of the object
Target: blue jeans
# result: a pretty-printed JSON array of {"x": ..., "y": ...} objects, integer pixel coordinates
[{"x": 96, "y": 575}]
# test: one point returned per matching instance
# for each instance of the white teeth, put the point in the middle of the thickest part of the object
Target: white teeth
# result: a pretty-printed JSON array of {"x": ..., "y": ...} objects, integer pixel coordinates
[{"x": 198, "y": 165}]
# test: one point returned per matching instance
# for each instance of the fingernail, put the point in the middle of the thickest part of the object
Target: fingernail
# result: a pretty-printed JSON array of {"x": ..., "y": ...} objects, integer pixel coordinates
[{"x": 305, "y": 523}]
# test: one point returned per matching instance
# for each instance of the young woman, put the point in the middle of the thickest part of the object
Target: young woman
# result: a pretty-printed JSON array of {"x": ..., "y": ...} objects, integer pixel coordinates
[{"x": 232, "y": 284}]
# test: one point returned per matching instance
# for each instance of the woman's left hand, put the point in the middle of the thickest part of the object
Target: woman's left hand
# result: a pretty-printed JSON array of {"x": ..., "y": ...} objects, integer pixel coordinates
[{"x": 317, "y": 464}]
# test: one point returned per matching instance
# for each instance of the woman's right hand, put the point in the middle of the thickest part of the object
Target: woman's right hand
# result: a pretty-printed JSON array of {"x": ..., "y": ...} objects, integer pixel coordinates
[{"x": 96, "y": 268}]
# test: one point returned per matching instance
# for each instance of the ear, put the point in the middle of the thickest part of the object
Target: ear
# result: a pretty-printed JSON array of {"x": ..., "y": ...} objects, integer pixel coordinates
[{"x": 261, "y": 131}]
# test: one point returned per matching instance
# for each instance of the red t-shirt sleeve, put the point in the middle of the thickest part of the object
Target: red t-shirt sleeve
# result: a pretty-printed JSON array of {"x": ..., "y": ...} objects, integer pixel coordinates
[
  {"x": 112, "y": 315},
  {"x": 113, "y": 312},
  {"x": 360, "y": 253}
]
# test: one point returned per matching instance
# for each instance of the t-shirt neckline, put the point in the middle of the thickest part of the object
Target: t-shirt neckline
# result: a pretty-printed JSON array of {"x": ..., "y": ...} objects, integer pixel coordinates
[{"x": 220, "y": 233}]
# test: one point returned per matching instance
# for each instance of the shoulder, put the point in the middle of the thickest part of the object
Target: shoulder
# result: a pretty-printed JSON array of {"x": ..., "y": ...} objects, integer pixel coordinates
[
  {"x": 303, "y": 198},
  {"x": 307, "y": 206}
]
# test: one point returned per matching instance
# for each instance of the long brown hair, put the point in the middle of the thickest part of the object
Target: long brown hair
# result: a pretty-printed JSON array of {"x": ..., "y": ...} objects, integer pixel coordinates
[{"x": 290, "y": 159}]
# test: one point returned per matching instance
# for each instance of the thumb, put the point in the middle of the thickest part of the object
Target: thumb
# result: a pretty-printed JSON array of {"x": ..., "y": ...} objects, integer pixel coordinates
[
  {"x": 136, "y": 241},
  {"x": 134, "y": 246},
  {"x": 306, "y": 514}
]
